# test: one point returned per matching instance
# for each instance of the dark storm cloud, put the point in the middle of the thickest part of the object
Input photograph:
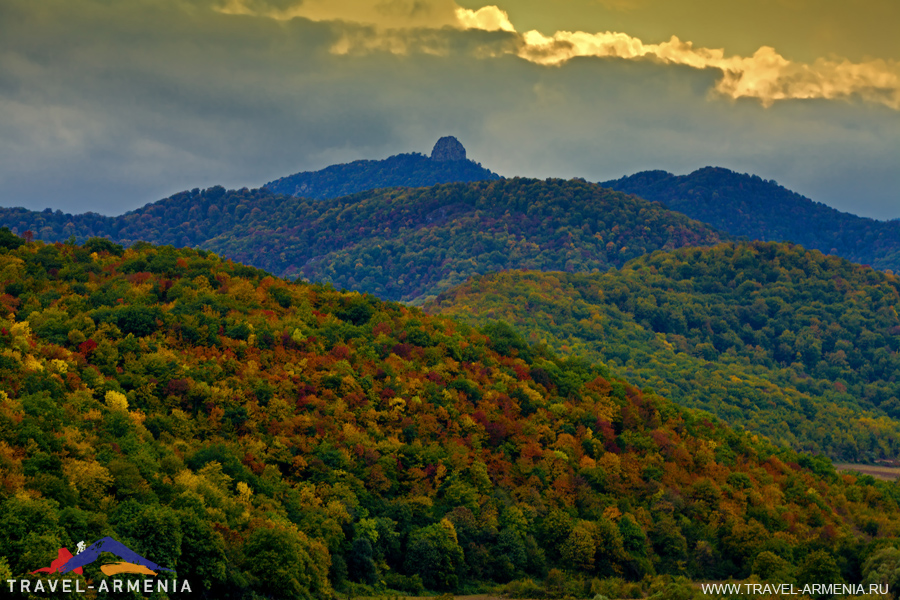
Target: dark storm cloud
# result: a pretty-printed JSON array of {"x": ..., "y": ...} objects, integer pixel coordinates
[
  {"x": 110, "y": 106},
  {"x": 107, "y": 106},
  {"x": 138, "y": 102}
]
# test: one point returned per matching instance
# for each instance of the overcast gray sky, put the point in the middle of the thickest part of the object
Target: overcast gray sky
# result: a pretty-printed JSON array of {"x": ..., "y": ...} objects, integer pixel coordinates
[{"x": 106, "y": 106}]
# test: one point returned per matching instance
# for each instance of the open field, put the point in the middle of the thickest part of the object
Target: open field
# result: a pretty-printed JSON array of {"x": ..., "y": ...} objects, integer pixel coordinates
[{"x": 876, "y": 471}]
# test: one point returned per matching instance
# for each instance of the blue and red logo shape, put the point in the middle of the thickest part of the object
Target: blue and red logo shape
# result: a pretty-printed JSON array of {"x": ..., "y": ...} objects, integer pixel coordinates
[{"x": 131, "y": 561}]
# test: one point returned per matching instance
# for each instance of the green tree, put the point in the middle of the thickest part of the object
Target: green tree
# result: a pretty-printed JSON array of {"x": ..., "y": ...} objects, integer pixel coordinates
[
  {"x": 9, "y": 240},
  {"x": 434, "y": 554},
  {"x": 29, "y": 533},
  {"x": 818, "y": 567},
  {"x": 360, "y": 561},
  {"x": 286, "y": 564},
  {"x": 510, "y": 556},
  {"x": 578, "y": 551},
  {"x": 203, "y": 555},
  {"x": 670, "y": 546},
  {"x": 771, "y": 567},
  {"x": 883, "y": 568}
]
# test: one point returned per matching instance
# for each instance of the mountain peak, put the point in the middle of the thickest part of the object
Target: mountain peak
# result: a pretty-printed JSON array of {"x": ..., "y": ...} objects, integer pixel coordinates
[
  {"x": 448, "y": 148},
  {"x": 447, "y": 164},
  {"x": 748, "y": 206}
]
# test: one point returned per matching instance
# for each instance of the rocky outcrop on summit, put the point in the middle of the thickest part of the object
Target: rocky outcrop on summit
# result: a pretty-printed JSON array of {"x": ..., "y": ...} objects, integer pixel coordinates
[
  {"x": 447, "y": 164},
  {"x": 448, "y": 148}
]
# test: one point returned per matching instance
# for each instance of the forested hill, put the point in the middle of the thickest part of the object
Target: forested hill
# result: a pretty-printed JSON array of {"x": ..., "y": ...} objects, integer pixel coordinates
[
  {"x": 789, "y": 343},
  {"x": 745, "y": 205},
  {"x": 447, "y": 164},
  {"x": 408, "y": 244},
  {"x": 401, "y": 243},
  {"x": 267, "y": 439}
]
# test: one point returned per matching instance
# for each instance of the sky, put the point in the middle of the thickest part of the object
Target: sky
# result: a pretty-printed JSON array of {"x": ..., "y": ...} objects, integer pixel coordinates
[{"x": 108, "y": 105}]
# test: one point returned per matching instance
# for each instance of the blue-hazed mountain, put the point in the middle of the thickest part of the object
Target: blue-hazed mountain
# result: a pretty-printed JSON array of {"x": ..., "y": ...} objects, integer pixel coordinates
[
  {"x": 447, "y": 164},
  {"x": 760, "y": 209}
]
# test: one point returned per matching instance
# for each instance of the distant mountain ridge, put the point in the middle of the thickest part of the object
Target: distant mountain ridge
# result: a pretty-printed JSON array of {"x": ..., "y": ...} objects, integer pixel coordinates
[
  {"x": 447, "y": 164},
  {"x": 397, "y": 243},
  {"x": 406, "y": 243},
  {"x": 760, "y": 209},
  {"x": 409, "y": 244}
]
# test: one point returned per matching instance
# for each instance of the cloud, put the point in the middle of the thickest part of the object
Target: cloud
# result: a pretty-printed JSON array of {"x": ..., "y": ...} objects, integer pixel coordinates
[
  {"x": 405, "y": 26},
  {"x": 381, "y": 14},
  {"x": 487, "y": 18},
  {"x": 766, "y": 76},
  {"x": 398, "y": 27},
  {"x": 360, "y": 41},
  {"x": 108, "y": 106}
]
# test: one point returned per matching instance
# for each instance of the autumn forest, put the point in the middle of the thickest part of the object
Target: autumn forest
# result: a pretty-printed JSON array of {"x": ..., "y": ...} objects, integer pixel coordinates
[{"x": 532, "y": 388}]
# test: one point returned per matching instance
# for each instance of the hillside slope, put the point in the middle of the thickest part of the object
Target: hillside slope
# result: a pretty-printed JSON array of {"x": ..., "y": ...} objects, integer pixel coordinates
[
  {"x": 409, "y": 244},
  {"x": 402, "y": 243},
  {"x": 747, "y": 206},
  {"x": 447, "y": 164},
  {"x": 278, "y": 440},
  {"x": 789, "y": 343}
]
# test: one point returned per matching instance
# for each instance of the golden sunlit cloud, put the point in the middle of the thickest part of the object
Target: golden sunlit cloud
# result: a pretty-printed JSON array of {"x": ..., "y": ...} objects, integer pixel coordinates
[
  {"x": 766, "y": 76},
  {"x": 405, "y": 26},
  {"x": 487, "y": 18}
]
